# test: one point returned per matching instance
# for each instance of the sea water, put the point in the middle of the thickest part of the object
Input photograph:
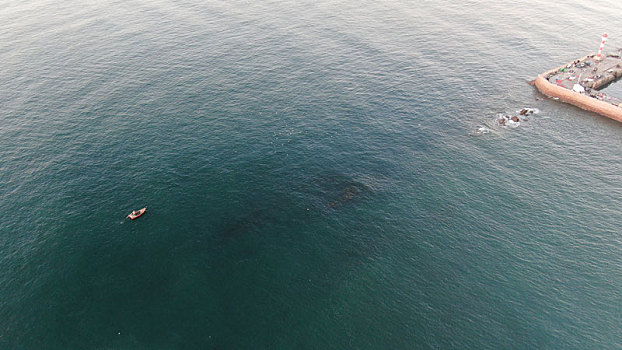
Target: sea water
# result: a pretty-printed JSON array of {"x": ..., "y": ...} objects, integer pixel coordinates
[{"x": 317, "y": 175}]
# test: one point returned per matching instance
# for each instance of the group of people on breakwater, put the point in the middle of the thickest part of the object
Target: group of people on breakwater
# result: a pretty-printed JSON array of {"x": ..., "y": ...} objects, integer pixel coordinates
[{"x": 587, "y": 75}]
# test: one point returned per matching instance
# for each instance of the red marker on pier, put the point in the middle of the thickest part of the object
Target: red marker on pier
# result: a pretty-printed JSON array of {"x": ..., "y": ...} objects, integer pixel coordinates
[{"x": 602, "y": 45}]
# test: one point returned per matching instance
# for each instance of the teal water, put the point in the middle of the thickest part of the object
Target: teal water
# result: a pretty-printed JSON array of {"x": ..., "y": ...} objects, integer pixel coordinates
[{"x": 315, "y": 173}]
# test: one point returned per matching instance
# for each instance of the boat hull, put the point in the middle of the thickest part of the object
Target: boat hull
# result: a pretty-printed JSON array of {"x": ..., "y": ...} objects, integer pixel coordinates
[{"x": 139, "y": 214}]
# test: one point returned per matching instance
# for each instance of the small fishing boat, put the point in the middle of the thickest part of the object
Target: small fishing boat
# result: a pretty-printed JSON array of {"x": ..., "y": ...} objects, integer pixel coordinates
[{"x": 137, "y": 213}]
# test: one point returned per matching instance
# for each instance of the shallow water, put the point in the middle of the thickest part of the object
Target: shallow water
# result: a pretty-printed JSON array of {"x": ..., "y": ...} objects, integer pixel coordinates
[{"x": 313, "y": 173}]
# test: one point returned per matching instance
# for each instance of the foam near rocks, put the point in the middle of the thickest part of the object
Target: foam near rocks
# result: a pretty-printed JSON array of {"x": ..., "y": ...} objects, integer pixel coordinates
[{"x": 482, "y": 130}]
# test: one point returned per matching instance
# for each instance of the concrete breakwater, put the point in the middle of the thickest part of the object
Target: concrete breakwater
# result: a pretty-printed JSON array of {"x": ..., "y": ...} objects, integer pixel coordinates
[{"x": 578, "y": 83}]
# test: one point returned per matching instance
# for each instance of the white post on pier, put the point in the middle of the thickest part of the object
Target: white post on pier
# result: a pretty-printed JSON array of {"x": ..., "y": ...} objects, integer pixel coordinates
[{"x": 602, "y": 45}]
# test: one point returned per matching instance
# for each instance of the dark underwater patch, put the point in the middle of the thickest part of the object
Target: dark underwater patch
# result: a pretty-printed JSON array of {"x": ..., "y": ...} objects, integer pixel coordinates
[{"x": 338, "y": 191}]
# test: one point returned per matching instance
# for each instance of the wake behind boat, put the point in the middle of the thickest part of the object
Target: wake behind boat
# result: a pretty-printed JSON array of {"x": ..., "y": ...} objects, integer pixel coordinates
[{"x": 137, "y": 213}]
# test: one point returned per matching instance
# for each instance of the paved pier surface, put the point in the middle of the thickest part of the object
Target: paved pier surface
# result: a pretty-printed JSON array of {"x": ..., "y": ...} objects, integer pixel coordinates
[
  {"x": 590, "y": 74},
  {"x": 578, "y": 83}
]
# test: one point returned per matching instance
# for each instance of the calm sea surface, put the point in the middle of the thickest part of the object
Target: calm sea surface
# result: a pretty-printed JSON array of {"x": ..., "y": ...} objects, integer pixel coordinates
[{"x": 318, "y": 175}]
